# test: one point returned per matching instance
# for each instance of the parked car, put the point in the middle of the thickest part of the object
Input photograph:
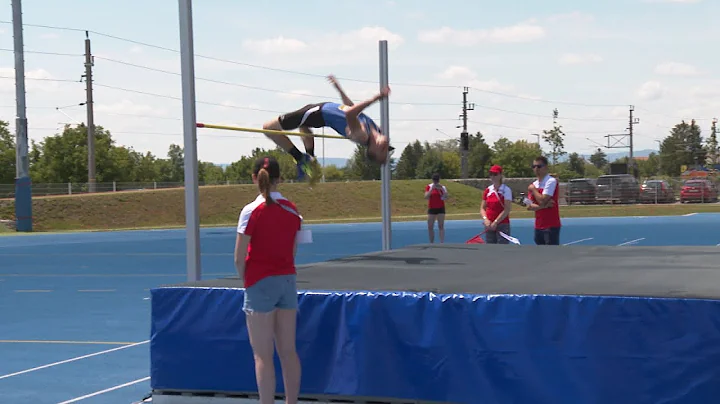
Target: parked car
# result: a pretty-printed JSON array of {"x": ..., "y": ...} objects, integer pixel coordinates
[
  {"x": 698, "y": 191},
  {"x": 657, "y": 191},
  {"x": 622, "y": 188},
  {"x": 580, "y": 190}
]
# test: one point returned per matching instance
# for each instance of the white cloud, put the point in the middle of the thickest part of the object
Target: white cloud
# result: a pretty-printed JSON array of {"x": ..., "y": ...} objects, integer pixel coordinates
[
  {"x": 295, "y": 94},
  {"x": 457, "y": 73},
  {"x": 676, "y": 69},
  {"x": 579, "y": 58},
  {"x": 575, "y": 17},
  {"x": 275, "y": 45},
  {"x": 129, "y": 107},
  {"x": 463, "y": 75},
  {"x": 709, "y": 91},
  {"x": 330, "y": 43},
  {"x": 651, "y": 91},
  {"x": 674, "y": 1},
  {"x": 35, "y": 80},
  {"x": 524, "y": 32}
]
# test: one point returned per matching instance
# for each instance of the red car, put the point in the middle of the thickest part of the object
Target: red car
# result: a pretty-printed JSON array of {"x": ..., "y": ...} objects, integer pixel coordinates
[{"x": 698, "y": 191}]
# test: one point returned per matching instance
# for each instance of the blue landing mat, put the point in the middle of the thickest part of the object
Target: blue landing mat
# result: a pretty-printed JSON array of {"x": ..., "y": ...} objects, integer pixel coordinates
[{"x": 452, "y": 348}]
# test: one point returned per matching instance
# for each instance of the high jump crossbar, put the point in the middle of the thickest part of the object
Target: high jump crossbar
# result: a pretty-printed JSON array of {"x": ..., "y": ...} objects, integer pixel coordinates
[
  {"x": 190, "y": 125},
  {"x": 266, "y": 131}
]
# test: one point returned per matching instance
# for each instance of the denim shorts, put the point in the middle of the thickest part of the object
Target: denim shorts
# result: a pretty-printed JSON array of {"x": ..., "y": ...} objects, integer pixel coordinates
[{"x": 273, "y": 292}]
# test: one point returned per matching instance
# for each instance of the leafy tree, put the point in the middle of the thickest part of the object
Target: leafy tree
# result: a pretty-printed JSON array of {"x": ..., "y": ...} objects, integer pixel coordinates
[
  {"x": 713, "y": 149},
  {"x": 333, "y": 173},
  {"x": 479, "y": 156},
  {"x": 360, "y": 168},
  {"x": 599, "y": 159},
  {"x": 7, "y": 155},
  {"x": 576, "y": 164},
  {"x": 650, "y": 167},
  {"x": 407, "y": 165},
  {"x": 555, "y": 138},
  {"x": 209, "y": 173},
  {"x": 515, "y": 157},
  {"x": 684, "y": 146}
]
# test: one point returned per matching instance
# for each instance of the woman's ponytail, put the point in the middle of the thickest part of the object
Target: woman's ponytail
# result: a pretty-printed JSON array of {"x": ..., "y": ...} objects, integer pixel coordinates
[{"x": 264, "y": 183}]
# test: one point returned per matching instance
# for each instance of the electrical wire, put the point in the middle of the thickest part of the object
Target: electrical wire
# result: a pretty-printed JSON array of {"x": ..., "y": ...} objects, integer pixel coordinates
[{"x": 287, "y": 71}]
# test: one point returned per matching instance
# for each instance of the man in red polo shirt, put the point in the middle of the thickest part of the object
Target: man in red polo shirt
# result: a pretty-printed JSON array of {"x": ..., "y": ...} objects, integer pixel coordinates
[{"x": 543, "y": 193}]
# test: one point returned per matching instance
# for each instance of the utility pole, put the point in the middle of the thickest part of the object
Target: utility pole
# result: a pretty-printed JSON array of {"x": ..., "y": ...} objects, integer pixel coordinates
[
  {"x": 464, "y": 138},
  {"x": 23, "y": 183},
  {"x": 90, "y": 113},
  {"x": 619, "y": 138}
]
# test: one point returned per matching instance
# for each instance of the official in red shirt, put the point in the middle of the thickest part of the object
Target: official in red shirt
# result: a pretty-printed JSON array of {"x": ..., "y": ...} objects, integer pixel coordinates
[
  {"x": 495, "y": 208},
  {"x": 436, "y": 194},
  {"x": 265, "y": 259},
  {"x": 543, "y": 194}
]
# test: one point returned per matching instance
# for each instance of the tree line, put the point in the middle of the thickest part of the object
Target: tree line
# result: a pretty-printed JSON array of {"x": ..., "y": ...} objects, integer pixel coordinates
[{"x": 62, "y": 158}]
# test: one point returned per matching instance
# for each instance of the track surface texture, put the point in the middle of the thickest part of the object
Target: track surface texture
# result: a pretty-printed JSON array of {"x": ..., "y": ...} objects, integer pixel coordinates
[{"x": 74, "y": 308}]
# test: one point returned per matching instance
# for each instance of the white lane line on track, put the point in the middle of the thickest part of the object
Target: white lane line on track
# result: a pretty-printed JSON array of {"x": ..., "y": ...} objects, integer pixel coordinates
[
  {"x": 631, "y": 242},
  {"x": 579, "y": 241},
  {"x": 97, "y": 393},
  {"x": 71, "y": 360},
  {"x": 95, "y": 290},
  {"x": 32, "y": 291}
]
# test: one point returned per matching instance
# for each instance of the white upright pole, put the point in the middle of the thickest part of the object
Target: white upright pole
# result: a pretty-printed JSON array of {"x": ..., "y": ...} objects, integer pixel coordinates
[
  {"x": 23, "y": 183},
  {"x": 385, "y": 170},
  {"x": 192, "y": 211}
]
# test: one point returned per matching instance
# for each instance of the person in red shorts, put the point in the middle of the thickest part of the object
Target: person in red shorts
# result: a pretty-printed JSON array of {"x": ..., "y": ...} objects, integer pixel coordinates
[
  {"x": 265, "y": 260},
  {"x": 495, "y": 208},
  {"x": 544, "y": 194},
  {"x": 436, "y": 194}
]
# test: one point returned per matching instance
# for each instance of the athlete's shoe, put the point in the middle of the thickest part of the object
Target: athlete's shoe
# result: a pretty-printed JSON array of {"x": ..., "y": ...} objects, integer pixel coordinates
[{"x": 308, "y": 168}]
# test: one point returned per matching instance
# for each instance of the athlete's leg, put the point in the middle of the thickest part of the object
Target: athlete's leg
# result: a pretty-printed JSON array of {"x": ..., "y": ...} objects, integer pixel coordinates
[
  {"x": 282, "y": 141},
  {"x": 431, "y": 227},
  {"x": 441, "y": 226},
  {"x": 294, "y": 120},
  {"x": 308, "y": 141}
]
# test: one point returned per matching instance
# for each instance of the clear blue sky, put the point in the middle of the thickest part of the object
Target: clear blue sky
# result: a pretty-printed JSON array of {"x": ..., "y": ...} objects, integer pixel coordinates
[{"x": 600, "y": 56}]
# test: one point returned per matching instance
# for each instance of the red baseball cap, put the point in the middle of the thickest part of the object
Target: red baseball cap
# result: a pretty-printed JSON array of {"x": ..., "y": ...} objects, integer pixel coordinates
[{"x": 496, "y": 169}]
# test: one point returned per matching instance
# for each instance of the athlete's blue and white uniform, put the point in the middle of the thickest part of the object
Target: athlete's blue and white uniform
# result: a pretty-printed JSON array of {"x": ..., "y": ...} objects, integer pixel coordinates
[{"x": 333, "y": 115}]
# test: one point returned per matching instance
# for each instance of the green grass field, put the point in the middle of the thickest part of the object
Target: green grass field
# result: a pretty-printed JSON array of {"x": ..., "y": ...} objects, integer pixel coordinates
[{"x": 324, "y": 203}]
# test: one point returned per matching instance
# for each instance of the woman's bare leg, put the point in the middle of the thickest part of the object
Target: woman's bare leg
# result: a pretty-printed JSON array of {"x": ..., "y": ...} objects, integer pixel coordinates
[
  {"x": 261, "y": 329},
  {"x": 441, "y": 226},
  {"x": 285, "y": 325},
  {"x": 431, "y": 228}
]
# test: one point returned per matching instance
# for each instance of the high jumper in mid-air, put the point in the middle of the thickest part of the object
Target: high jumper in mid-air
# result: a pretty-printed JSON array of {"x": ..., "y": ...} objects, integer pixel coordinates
[{"x": 347, "y": 119}]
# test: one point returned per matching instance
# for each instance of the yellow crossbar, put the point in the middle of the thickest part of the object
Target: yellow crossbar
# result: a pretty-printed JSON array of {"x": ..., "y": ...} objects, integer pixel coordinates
[{"x": 266, "y": 131}]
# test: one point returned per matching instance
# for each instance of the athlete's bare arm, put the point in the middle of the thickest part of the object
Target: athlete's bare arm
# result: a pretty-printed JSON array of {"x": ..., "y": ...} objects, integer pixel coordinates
[
  {"x": 353, "y": 112},
  {"x": 345, "y": 99}
]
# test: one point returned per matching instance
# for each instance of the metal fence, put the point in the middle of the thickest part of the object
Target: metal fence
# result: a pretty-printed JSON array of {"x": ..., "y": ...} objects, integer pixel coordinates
[
  {"x": 626, "y": 189},
  {"x": 616, "y": 189},
  {"x": 75, "y": 188}
]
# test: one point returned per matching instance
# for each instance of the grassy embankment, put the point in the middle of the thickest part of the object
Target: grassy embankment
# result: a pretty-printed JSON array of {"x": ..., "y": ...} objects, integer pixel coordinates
[{"x": 325, "y": 203}]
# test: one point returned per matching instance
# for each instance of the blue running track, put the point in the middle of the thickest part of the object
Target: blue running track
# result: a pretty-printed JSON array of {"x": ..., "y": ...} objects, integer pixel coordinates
[{"x": 74, "y": 308}]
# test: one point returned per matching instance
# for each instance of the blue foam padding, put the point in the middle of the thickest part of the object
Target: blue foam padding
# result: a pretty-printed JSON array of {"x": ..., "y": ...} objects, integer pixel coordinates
[{"x": 462, "y": 349}]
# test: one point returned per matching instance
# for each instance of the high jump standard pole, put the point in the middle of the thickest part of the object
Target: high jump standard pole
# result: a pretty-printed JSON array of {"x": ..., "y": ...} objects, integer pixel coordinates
[
  {"x": 385, "y": 170},
  {"x": 23, "y": 183},
  {"x": 192, "y": 210}
]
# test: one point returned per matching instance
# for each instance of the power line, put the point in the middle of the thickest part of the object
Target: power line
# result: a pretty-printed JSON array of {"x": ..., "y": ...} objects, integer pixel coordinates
[
  {"x": 43, "y": 79},
  {"x": 528, "y": 129},
  {"x": 319, "y": 75},
  {"x": 255, "y": 87},
  {"x": 44, "y": 53}
]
